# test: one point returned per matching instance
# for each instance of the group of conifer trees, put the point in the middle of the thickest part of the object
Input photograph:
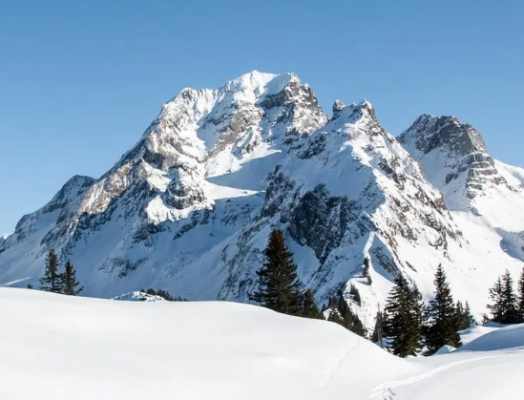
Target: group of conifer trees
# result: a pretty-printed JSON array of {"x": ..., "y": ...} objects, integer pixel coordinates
[
  {"x": 279, "y": 289},
  {"x": 507, "y": 307},
  {"x": 56, "y": 281},
  {"x": 410, "y": 326}
]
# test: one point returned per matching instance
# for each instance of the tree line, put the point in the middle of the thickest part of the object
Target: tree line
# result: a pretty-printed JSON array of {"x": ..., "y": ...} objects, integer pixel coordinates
[
  {"x": 407, "y": 325},
  {"x": 410, "y": 326}
]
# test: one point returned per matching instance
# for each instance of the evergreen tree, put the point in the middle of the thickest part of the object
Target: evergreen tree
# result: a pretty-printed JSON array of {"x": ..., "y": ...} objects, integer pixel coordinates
[
  {"x": 521, "y": 297},
  {"x": 340, "y": 313},
  {"x": 355, "y": 294},
  {"x": 509, "y": 300},
  {"x": 403, "y": 317},
  {"x": 417, "y": 311},
  {"x": 68, "y": 281},
  {"x": 496, "y": 294},
  {"x": 365, "y": 271},
  {"x": 334, "y": 313},
  {"x": 468, "y": 317},
  {"x": 464, "y": 316},
  {"x": 278, "y": 284},
  {"x": 504, "y": 306},
  {"x": 29, "y": 286},
  {"x": 350, "y": 320},
  {"x": 309, "y": 306},
  {"x": 51, "y": 281},
  {"x": 443, "y": 321},
  {"x": 378, "y": 331}
]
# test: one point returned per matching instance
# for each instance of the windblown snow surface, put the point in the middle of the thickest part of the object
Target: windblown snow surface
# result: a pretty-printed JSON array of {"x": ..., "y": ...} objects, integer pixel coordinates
[{"x": 59, "y": 347}]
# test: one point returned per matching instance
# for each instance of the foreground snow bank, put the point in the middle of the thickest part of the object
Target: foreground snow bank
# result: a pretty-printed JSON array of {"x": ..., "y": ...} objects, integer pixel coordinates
[
  {"x": 59, "y": 347},
  {"x": 509, "y": 337},
  {"x": 66, "y": 348}
]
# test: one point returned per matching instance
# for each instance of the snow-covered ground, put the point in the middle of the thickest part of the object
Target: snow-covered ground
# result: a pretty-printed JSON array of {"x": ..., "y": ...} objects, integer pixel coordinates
[{"x": 58, "y": 347}]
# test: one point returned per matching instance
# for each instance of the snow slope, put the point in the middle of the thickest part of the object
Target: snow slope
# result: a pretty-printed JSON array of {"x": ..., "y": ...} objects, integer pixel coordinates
[
  {"x": 55, "y": 347},
  {"x": 59, "y": 347}
]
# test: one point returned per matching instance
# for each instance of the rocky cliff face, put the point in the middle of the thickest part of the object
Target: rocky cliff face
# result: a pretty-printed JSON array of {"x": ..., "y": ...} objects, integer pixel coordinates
[
  {"x": 453, "y": 155},
  {"x": 190, "y": 207}
]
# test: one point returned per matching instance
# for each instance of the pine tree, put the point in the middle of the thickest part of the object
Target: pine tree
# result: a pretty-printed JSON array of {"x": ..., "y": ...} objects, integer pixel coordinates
[
  {"x": 334, "y": 313},
  {"x": 403, "y": 317},
  {"x": 496, "y": 294},
  {"x": 521, "y": 297},
  {"x": 355, "y": 294},
  {"x": 278, "y": 284},
  {"x": 378, "y": 331},
  {"x": 504, "y": 306},
  {"x": 509, "y": 300},
  {"x": 340, "y": 313},
  {"x": 309, "y": 306},
  {"x": 464, "y": 316},
  {"x": 69, "y": 282},
  {"x": 51, "y": 279},
  {"x": 365, "y": 271},
  {"x": 29, "y": 286},
  {"x": 350, "y": 320},
  {"x": 468, "y": 317},
  {"x": 416, "y": 312},
  {"x": 443, "y": 321}
]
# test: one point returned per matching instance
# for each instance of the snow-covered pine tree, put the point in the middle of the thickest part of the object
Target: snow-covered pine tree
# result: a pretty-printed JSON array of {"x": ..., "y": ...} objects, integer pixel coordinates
[
  {"x": 51, "y": 280},
  {"x": 278, "y": 283},
  {"x": 442, "y": 324}
]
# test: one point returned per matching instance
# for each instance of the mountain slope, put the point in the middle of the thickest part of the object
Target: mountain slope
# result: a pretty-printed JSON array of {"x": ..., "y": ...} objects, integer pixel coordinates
[
  {"x": 485, "y": 196},
  {"x": 190, "y": 207}
]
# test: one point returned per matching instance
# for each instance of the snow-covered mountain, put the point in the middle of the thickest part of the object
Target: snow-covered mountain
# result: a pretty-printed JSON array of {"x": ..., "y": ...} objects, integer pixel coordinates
[{"x": 190, "y": 207}]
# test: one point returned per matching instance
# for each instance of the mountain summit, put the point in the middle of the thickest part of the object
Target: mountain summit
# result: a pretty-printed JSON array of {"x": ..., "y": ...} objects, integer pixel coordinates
[{"x": 190, "y": 206}]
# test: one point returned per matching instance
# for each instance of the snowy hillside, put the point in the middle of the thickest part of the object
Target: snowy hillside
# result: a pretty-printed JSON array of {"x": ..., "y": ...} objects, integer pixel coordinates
[
  {"x": 63, "y": 347},
  {"x": 189, "y": 208}
]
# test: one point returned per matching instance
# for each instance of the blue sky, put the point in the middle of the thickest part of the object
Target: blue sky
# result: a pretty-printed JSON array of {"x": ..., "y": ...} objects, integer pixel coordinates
[{"x": 81, "y": 80}]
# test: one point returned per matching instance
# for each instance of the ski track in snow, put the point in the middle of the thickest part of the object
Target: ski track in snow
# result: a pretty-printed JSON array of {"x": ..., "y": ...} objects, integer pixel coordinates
[
  {"x": 332, "y": 372},
  {"x": 385, "y": 391}
]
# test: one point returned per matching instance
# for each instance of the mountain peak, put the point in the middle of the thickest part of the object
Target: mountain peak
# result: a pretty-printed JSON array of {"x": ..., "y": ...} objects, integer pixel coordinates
[
  {"x": 429, "y": 132},
  {"x": 454, "y": 157}
]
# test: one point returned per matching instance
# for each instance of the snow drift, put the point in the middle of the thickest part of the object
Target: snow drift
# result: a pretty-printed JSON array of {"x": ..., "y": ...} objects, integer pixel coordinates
[{"x": 61, "y": 347}]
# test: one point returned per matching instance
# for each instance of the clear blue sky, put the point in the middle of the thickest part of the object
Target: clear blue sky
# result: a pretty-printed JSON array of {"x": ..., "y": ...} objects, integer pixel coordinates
[{"x": 81, "y": 80}]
